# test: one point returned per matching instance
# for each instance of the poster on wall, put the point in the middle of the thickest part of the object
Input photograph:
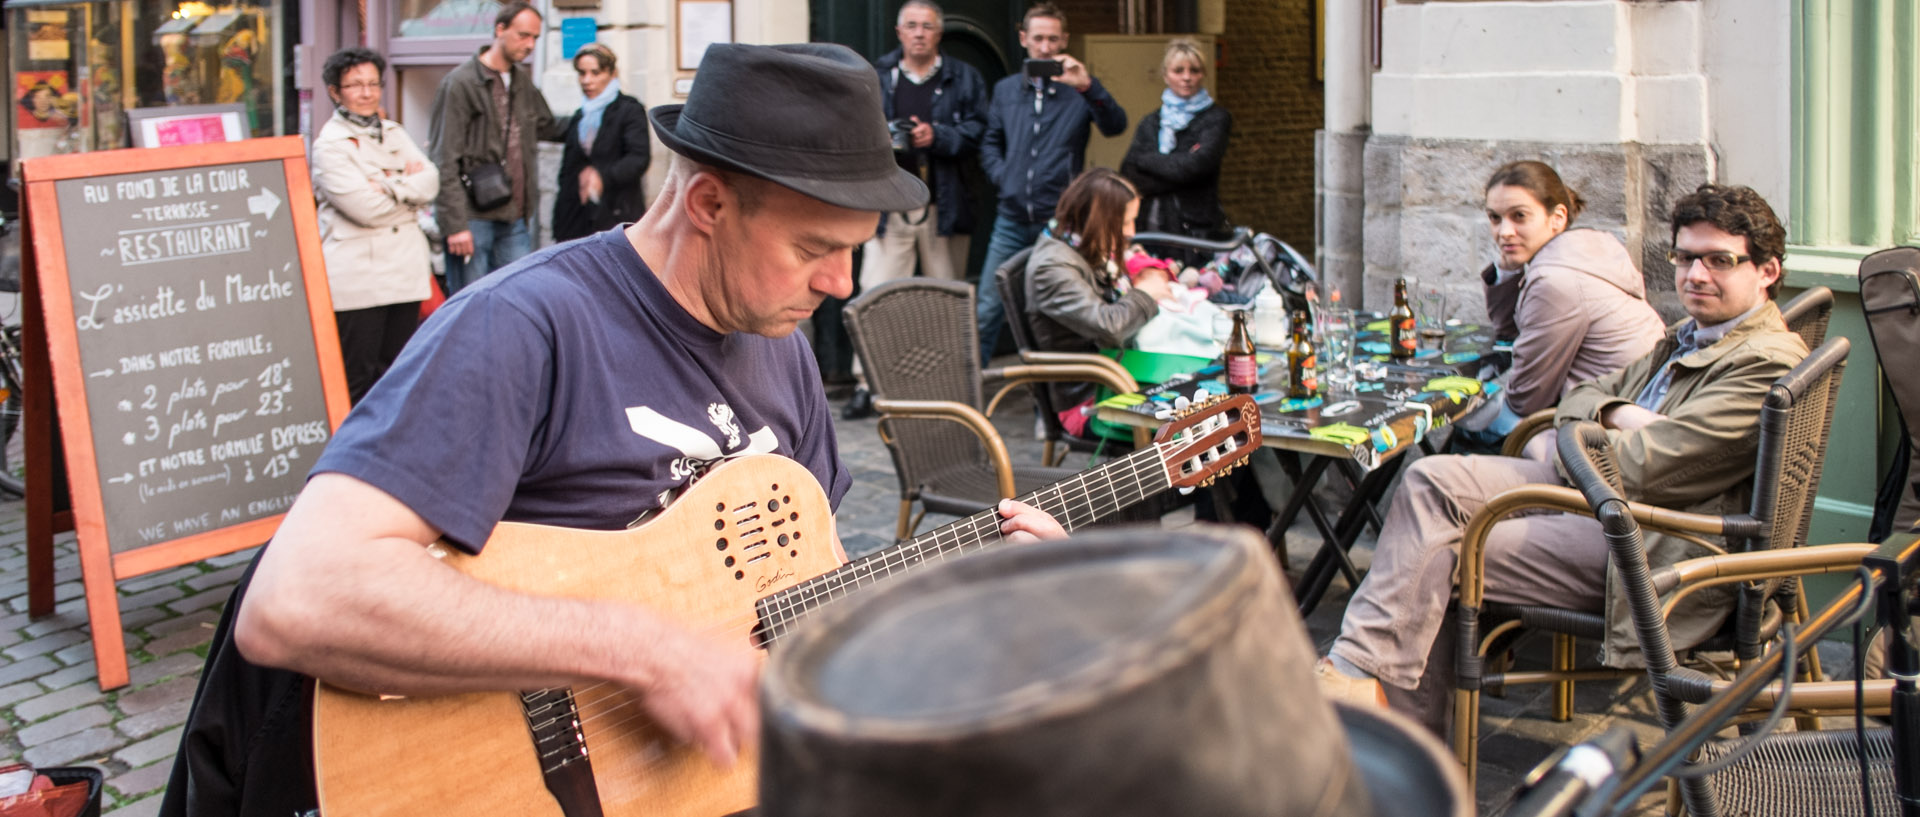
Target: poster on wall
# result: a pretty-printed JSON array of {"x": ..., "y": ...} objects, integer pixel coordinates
[
  {"x": 46, "y": 100},
  {"x": 702, "y": 23},
  {"x": 47, "y": 35}
]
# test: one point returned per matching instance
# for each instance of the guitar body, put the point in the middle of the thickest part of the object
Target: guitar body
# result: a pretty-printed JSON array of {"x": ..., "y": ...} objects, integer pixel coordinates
[{"x": 750, "y": 527}]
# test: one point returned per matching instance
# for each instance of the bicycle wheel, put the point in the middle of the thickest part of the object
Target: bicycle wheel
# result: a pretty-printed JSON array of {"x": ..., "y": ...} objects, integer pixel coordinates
[{"x": 10, "y": 379}]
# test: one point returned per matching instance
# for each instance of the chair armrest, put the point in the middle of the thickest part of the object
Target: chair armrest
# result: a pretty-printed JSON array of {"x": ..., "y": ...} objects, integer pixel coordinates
[
  {"x": 1120, "y": 373},
  {"x": 1059, "y": 367},
  {"x": 1530, "y": 425},
  {"x": 1690, "y": 576},
  {"x": 965, "y": 415},
  {"x": 1472, "y": 565}
]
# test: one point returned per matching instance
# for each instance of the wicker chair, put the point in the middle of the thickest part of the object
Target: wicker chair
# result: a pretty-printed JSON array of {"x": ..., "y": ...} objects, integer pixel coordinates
[
  {"x": 916, "y": 340},
  {"x": 1793, "y": 426},
  {"x": 1807, "y": 315},
  {"x": 1795, "y": 773}
]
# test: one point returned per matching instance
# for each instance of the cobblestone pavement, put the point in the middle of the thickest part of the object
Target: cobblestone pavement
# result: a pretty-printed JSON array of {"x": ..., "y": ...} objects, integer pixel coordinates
[{"x": 53, "y": 713}]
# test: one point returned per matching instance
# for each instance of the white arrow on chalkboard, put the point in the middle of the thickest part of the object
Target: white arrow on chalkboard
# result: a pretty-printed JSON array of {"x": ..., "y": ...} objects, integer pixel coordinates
[
  {"x": 263, "y": 203},
  {"x": 121, "y": 478}
]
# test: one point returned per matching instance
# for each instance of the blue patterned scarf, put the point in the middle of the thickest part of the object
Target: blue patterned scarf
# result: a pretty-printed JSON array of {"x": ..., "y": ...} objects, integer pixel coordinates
[
  {"x": 591, "y": 111},
  {"x": 1177, "y": 113}
]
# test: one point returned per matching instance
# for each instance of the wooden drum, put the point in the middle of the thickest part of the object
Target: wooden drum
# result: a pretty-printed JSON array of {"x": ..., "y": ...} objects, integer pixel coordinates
[{"x": 1125, "y": 672}]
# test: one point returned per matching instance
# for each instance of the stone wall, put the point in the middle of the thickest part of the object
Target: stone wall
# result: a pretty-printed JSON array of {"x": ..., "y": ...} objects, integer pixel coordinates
[
  {"x": 1266, "y": 80},
  {"x": 1425, "y": 214}
]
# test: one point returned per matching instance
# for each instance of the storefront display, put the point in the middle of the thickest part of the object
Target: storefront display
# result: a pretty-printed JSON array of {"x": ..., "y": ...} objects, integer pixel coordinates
[{"x": 79, "y": 67}]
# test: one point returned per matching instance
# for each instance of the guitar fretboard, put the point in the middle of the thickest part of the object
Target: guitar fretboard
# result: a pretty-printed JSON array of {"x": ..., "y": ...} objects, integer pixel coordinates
[{"x": 1075, "y": 503}]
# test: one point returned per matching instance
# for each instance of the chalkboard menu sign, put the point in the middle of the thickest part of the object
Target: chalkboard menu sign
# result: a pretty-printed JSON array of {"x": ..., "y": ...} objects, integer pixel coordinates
[{"x": 194, "y": 357}]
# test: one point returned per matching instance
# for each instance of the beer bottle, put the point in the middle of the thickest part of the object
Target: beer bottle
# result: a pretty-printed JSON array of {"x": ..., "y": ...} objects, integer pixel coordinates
[
  {"x": 1303, "y": 380},
  {"x": 1243, "y": 370},
  {"x": 1400, "y": 323}
]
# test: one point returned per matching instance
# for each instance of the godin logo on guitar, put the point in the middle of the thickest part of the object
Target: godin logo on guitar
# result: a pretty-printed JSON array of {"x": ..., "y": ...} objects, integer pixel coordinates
[{"x": 765, "y": 583}]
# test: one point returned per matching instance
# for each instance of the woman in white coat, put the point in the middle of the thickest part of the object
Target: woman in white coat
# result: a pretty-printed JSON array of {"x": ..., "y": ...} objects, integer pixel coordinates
[{"x": 372, "y": 181}]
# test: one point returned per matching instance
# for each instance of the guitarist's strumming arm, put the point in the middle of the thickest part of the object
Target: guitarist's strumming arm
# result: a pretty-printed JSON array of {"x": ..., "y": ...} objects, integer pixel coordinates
[{"x": 348, "y": 593}]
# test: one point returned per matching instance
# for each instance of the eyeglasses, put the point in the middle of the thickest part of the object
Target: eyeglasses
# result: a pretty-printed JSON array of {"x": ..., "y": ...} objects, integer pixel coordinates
[
  {"x": 361, "y": 86},
  {"x": 1719, "y": 261},
  {"x": 919, "y": 26}
]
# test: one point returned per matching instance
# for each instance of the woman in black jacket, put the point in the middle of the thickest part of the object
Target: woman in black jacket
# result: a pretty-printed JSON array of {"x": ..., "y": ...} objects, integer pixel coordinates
[
  {"x": 607, "y": 151},
  {"x": 1175, "y": 157}
]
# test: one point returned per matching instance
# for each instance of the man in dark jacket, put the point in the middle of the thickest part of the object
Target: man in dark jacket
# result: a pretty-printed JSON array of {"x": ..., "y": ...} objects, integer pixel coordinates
[
  {"x": 938, "y": 110},
  {"x": 487, "y": 112},
  {"x": 1036, "y": 142}
]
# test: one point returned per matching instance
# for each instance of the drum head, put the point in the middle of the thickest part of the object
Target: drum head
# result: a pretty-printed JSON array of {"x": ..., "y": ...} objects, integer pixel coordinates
[{"x": 1142, "y": 672}]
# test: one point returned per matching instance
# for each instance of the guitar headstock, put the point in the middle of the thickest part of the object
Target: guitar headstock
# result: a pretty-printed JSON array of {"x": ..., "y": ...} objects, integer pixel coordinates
[{"x": 1208, "y": 439}]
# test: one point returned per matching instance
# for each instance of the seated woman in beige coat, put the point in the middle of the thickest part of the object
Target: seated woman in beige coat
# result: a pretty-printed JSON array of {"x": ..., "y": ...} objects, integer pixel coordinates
[
  {"x": 1570, "y": 299},
  {"x": 372, "y": 181}
]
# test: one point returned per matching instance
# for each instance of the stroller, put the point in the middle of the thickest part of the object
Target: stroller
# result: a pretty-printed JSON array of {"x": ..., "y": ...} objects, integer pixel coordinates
[{"x": 1248, "y": 262}]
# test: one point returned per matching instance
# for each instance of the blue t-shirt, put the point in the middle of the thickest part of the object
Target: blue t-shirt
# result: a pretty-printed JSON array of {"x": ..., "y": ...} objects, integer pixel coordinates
[{"x": 571, "y": 389}]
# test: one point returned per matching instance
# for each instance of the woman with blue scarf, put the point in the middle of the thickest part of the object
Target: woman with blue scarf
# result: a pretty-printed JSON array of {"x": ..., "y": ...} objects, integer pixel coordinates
[
  {"x": 1175, "y": 157},
  {"x": 607, "y": 150}
]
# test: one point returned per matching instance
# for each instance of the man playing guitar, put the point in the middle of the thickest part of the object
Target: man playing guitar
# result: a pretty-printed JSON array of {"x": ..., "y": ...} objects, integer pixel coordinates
[{"x": 582, "y": 387}]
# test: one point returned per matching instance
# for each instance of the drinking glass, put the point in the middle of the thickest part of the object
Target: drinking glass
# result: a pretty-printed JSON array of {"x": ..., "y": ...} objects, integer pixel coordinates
[
  {"x": 1223, "y": 326},
  {"x": 1337, "y": 339},
  {"x": 1430, "y": 315}
]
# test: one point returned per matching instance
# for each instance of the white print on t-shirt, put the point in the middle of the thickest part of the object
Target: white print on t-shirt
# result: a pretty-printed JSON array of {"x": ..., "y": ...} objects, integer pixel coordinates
[
  {"x": 699, "y": 452},
  {"x": 722, "y": 416}
]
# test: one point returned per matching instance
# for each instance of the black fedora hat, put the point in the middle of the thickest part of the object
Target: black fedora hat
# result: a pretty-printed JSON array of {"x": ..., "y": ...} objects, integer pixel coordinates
[{"x": 805, "y": 116}]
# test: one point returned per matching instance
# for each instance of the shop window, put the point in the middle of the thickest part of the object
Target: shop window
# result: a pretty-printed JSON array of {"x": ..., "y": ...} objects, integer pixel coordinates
[
  {"x": 444, "y": 18},
  {"x": 77, "y": 68}
]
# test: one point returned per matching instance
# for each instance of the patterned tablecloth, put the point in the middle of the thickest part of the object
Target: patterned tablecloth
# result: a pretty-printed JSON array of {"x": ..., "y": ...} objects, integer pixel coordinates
[{"x": 1389, "y": 407}]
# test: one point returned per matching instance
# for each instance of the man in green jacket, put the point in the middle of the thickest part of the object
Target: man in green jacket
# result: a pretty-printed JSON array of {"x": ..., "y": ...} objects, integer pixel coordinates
[
  {"x": 1684, "y": 424},
  {"x": 487, "y": 118}
]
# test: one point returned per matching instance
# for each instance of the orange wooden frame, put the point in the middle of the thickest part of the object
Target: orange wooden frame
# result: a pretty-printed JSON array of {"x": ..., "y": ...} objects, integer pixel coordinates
[{"x": 52, "y": 367}]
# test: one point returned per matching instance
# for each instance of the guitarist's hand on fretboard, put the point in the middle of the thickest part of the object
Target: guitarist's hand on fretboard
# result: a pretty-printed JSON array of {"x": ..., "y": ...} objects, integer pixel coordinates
[{"x": 1025, "y": 523}]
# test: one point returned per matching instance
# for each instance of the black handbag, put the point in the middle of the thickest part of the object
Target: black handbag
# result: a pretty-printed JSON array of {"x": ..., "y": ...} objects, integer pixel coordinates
[{"x": 487, "y": 185}]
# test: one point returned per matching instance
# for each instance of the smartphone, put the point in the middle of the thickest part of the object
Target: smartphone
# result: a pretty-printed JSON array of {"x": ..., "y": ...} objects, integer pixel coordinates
[{"x": 1043, "y": 68}]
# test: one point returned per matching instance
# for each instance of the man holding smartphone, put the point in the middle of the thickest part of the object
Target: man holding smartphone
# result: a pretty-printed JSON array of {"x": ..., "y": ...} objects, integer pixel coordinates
[{"x": 1036, "y": 142}]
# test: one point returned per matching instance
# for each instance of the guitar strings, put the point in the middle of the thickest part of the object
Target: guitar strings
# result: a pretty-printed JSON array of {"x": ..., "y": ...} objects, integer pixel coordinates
[
  {"x": 965, "y": 533},
  {"x": 969, "y": 532}
]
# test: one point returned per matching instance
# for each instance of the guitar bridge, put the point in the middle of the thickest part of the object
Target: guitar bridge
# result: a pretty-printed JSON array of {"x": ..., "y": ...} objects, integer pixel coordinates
[{"x": 554, "y": 720}]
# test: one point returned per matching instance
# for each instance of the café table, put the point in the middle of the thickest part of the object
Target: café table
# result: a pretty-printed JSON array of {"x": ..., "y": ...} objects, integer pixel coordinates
[{"x": 1361, "y": 430}]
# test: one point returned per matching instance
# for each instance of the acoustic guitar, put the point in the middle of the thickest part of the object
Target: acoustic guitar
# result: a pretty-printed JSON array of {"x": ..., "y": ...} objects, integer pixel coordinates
[{"x": 748, "y": 548}]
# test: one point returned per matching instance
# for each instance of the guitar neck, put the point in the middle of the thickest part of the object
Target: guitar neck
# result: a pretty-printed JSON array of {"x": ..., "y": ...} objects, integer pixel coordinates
[{"x": 1074, "y": 502}]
